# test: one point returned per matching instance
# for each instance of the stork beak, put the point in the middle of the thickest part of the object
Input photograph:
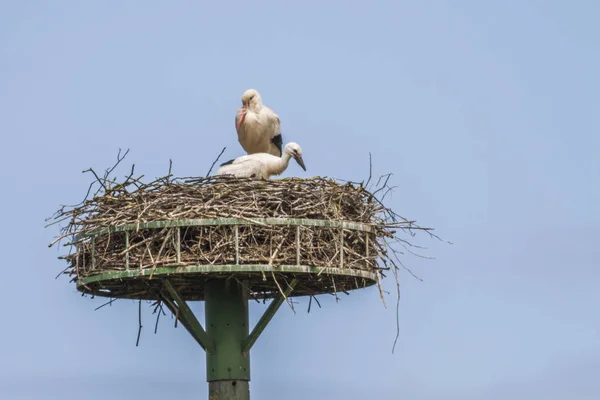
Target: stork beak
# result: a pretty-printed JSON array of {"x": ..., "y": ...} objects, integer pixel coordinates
[
  {"x": 243, "y": 117},
  {"x": 300, "y": 161}
]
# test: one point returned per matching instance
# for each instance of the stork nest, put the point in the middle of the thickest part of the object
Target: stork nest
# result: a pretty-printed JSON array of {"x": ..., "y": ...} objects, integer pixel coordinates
[{"x": 102, "y": 239}]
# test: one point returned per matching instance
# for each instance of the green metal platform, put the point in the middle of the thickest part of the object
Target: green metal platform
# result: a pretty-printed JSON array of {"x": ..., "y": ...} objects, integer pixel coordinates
[{"x": 225, "y": 289}]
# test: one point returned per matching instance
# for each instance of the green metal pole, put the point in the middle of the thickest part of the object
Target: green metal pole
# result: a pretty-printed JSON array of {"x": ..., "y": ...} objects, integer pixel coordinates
[{"x": 227, "y": 368}]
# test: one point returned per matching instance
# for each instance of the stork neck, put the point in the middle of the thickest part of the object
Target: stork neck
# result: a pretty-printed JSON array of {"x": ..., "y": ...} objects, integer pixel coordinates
[{"x": 282, "y": 163}]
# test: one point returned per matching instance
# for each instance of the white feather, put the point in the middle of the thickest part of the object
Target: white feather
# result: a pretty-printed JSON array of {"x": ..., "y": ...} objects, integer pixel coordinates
[
  {"x": 257, "y": 125},
  {"x": 263, "y": 165}
]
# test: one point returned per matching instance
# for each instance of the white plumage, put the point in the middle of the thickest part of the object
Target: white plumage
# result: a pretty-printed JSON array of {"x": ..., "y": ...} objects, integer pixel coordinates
[
  {"x": 262, "y": 165},
  {"x": 258, "y": 127}
]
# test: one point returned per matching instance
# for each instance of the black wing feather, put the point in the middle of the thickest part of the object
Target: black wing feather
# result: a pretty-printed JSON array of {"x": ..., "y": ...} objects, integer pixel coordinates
[{"x": 278, "y": 142}]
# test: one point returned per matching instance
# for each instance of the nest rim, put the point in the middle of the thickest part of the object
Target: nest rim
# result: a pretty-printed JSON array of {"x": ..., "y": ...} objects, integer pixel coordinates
[
  {"x": 99, "y": 284},
  {"x": 194, "y": 222}
]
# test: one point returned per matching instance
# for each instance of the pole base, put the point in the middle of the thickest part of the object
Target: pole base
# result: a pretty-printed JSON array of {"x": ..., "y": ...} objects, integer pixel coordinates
[{"x": 229, "y": 390}]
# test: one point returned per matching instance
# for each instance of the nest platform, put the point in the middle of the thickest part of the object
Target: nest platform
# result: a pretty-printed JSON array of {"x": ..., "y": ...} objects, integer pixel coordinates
[{"x": 313, "y": 235}]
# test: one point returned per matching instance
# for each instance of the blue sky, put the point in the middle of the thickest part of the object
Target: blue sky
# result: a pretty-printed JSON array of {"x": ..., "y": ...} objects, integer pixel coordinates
[{"x": 487, "y": 114}]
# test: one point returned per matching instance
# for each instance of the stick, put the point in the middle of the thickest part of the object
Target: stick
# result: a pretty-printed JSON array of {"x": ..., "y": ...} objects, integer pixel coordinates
[
  {"x": 108, "y": 303},
  {"x": 370, "y": 171},
  {"x": 137, "y": 342},
  {"x": 214, "y": 162}
]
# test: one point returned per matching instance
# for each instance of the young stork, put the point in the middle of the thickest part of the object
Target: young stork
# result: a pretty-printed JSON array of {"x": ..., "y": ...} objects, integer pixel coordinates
[
  {"x": 262, "y": 165},
  {"x": 258, "y": 127}
]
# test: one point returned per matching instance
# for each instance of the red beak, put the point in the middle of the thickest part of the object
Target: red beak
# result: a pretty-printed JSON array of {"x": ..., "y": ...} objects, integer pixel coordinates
[{"x": 243, "y": 117}]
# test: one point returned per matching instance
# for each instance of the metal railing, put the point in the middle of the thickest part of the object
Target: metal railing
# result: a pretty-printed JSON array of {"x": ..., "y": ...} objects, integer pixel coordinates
[{"x": 177, "y": 225}]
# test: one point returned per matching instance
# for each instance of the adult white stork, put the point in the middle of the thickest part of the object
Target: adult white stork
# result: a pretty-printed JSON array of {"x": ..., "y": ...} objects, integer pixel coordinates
[
  {"x": 258, "y": 127},
  {"x": 262, "y": 165}
]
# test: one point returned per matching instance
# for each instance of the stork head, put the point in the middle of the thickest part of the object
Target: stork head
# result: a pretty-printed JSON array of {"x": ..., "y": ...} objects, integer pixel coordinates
[
  {"x": 294, "y": 151},
  {"x": 251, "y": 99}
]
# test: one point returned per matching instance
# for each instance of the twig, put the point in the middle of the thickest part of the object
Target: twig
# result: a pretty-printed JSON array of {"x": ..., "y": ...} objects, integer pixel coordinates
[
  {"x": 119, "y": 159},
  {"x": 62, "y": 272},
  {"x": 170, "y": 168},
  {"x": 158, "y": 316},
  {"x": 283, "y": 293},
  {"x": 97, "y": 177},
  {"x": 137, "y": 342},
  {"x": 214, "y": 162},
  {"x": 108, "y": 303},
  {"x": 370, "y": 171},
  {"x": 310, "y": 302},
  {"x": 395, "y": 272}
]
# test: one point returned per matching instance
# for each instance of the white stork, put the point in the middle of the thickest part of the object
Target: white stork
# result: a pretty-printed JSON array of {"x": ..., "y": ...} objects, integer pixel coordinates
[
  {"x": 262, "y": 165},
  {"x": 258, "y": 127}
]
